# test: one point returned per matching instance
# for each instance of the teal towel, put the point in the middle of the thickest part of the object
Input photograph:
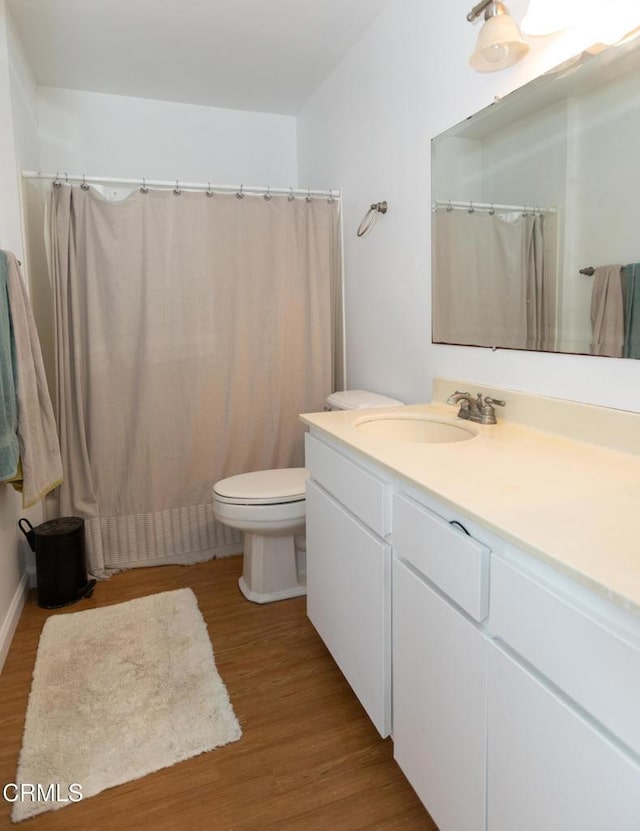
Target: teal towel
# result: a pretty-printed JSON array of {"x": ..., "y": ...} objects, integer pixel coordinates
[
  {"x": 631, "y": 299},
  {"x": 9, "y": 446}
]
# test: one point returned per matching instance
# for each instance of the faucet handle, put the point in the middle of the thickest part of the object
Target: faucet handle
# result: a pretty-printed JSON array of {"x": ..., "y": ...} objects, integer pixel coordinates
[
  {"x": 488, "y": 414},
  {"x": 452, "y": 399}
]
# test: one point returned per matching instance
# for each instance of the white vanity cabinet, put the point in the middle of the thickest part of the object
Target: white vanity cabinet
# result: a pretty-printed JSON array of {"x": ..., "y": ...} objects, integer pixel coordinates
[
  {"x": 440, "y": 591},
  {"x": 349, "y": 572},
  {"x": 515, "y": 688}
]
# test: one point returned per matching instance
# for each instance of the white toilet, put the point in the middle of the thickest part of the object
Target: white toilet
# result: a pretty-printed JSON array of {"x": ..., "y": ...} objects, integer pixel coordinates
[{"x": 269, "y": 507}]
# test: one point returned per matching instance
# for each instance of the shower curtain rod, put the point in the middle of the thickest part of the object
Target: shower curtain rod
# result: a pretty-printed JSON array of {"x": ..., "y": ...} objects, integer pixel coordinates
[
  {"x": 471, "y": 206},
  {"x": 178, "y": 186}
]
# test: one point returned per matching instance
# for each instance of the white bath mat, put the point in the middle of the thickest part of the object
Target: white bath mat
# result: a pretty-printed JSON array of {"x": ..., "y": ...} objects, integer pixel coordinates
[{"x": 118, "y": 693}]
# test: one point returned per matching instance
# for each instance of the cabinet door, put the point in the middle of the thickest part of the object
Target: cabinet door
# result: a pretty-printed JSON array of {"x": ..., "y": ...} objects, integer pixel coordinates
[
  {"x": 548, "y": 768},
  {"x": 439, "y": 703},
  {"x": 349, "y": 600}
]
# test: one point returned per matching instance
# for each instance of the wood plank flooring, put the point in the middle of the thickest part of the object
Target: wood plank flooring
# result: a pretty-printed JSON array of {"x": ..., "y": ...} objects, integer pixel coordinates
[{"x": 309, "y": 757}]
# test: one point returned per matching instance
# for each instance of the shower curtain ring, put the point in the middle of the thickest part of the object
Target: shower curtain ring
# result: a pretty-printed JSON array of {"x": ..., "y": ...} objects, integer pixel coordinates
[
  {"x": 267, "y": 196},
  {"x": 449, "y": 207},
  {"x": 331, "y": 198},
  {"x": 291, "y": 197},
  {"x": 209, "y": 192},
  {"x": 492, "y": 210},
  {"x": 56, "y": 182},
  {"x": 144, "y": 188},
  {"x": 177, "y": 190},
  {"x": 471, "y": 209},
  {"x": 240, "y": 193},
  {"x": 308, "y": 196},
  {"x": 66, "y": 178},
  {"x": 84, "y": 184}
]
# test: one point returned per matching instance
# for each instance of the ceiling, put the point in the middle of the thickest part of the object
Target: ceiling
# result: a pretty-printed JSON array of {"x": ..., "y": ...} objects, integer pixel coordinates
[{"x": 259, "y": 55}]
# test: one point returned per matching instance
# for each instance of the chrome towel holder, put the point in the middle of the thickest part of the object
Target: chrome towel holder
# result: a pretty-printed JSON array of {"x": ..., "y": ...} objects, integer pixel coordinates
[{"x": 371, "y": 217}]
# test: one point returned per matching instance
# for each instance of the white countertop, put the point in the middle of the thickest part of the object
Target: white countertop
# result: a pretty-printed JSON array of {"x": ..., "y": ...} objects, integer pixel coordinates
[{"x": 570, "y": 503}]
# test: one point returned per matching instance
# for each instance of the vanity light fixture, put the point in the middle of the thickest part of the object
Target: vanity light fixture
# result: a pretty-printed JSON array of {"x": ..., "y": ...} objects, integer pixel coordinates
[{"x": 500, "y": 43}]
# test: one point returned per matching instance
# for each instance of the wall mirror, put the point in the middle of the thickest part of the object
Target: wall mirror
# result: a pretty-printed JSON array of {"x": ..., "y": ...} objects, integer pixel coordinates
[{"x": 536, "y": 214}]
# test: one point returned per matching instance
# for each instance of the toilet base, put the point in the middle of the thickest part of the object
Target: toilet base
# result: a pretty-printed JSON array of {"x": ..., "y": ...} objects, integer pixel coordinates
[{"x": 273, "y": 568}]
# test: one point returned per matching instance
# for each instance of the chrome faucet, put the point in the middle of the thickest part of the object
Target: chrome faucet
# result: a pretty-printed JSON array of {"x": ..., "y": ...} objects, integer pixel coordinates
[{"x": 475, "y": 409}]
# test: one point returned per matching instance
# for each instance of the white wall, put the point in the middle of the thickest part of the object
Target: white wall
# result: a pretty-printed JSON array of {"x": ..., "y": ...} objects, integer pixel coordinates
[
  {"x": 368, "y": 128},
  {"x": 113, "y": 135},
  {"x": 18, "y": 145}
]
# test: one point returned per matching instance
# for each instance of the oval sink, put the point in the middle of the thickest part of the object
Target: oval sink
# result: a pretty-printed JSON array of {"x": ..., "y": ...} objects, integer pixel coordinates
[{"x": 417, "y": 429}]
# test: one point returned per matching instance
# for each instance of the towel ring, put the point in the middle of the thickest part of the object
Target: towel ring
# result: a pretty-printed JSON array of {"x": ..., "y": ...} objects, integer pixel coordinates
[{"x": 371, "y": 217}]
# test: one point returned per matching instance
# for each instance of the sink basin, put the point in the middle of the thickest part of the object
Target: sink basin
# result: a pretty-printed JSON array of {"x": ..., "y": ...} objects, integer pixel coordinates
[{"x": 415, "y": 428}]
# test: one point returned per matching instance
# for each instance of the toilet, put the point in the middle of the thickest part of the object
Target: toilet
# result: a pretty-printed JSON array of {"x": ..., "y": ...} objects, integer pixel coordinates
[{"x": 268, "y": 506}]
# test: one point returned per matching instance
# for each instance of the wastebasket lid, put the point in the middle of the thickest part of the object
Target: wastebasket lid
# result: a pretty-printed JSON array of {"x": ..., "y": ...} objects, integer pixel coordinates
[{"x": 61, "y": 525}]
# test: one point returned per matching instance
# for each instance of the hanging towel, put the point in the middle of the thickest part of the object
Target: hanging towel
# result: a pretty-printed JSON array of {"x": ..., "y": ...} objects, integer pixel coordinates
[
  {"x": 631, "y": 298},
  {"x": 9, "y": 446},
  {"x": 37, "y": 435},
  {"x": 607, "y": 311}
]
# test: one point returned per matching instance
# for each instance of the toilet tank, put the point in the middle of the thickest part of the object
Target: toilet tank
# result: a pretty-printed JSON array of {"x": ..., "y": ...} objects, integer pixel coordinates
[{"x": 359, "y": 400}]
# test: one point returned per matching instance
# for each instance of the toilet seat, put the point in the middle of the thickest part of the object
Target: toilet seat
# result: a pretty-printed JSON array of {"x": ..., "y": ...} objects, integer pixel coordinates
[{"x": 263, "y": 487}]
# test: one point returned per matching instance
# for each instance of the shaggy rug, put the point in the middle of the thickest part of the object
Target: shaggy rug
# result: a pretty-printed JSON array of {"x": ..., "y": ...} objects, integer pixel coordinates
[{"x": 117, "y": 693}]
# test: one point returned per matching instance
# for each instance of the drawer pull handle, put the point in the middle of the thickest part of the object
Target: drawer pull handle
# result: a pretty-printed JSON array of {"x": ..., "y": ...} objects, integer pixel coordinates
[{"x": 460, "y": 526}]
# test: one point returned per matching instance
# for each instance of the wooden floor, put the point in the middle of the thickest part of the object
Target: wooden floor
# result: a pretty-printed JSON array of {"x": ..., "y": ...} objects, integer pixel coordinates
[{"x": 309, "y": 757}]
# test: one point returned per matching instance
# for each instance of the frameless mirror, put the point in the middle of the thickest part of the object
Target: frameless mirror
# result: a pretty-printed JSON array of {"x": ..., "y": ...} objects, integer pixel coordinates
[{"x": 536, "y": 214}]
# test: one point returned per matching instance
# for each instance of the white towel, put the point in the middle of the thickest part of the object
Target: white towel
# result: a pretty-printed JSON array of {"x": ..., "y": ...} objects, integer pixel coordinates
[{"x": 37, "y": 434}]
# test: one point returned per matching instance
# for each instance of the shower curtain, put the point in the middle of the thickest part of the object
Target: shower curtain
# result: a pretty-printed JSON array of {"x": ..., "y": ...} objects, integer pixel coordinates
[
  {"x": 191, "y": 330},
  {"x": 494, "y": 279}
]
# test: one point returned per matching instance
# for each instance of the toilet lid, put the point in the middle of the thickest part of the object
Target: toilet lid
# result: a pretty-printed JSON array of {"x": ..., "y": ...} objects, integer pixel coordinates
[{"x": 263, "y": 487}]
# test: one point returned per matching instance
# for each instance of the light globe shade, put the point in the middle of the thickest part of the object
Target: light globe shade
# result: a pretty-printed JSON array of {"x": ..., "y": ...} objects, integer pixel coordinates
[
  {"x": 546, "y": 17},
  {"x": 499, "y": 45}
]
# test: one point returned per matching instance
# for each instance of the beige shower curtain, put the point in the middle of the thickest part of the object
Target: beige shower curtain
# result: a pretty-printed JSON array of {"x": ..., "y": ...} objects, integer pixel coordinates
[
  {"x": 494, "y": 279},
  {"x": 191, "y": 330}
]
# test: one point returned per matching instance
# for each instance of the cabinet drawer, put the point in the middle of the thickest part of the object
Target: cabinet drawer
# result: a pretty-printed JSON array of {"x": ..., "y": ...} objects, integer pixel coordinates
[
  {"x": 359, "y": 491},
  {"x": 456, "y": 563},
  {"x": 596, "y": 666}
]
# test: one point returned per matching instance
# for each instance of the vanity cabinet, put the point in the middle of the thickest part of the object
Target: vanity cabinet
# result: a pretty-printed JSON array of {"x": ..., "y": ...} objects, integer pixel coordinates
[
  {"x": 349, "y": 573},
  {"x": 440, "y": 593},
  {"x": 515, "y": 689}
]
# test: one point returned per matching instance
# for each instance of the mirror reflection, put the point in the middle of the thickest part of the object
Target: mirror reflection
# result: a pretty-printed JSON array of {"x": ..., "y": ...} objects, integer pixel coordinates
[{"x": 535, "y": 221}]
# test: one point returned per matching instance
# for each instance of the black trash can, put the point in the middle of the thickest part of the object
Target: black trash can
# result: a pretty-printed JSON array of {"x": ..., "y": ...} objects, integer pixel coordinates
[{"x": 61, "y": 566}]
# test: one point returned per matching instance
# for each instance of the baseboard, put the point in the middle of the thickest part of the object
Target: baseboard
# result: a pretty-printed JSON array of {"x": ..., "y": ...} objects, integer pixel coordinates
[{"x": 12, "y": 617}]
